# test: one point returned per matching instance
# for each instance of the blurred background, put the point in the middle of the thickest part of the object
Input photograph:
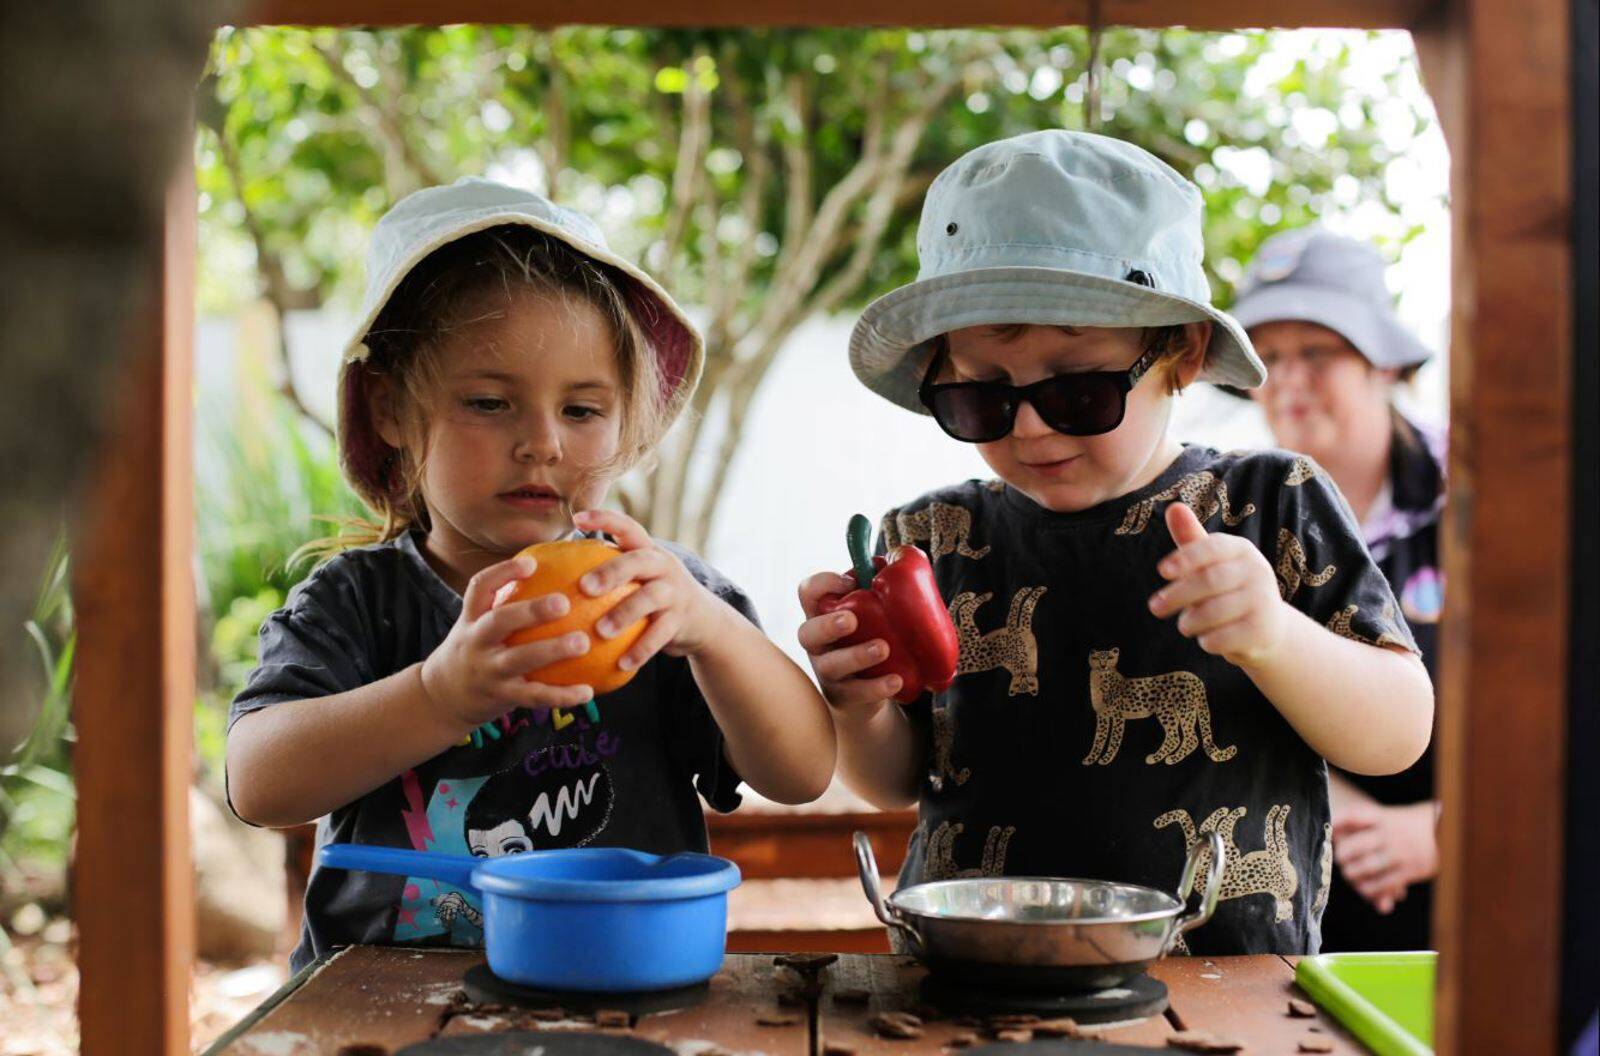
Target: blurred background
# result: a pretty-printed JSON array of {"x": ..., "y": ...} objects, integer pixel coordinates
[{"x": 772, "y": 179}]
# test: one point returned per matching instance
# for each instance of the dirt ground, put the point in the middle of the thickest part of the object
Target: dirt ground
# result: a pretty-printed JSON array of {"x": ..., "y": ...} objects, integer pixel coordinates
[{"x": 39, "y": 991}]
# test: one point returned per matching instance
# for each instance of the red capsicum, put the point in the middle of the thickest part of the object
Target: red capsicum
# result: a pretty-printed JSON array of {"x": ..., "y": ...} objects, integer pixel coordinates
[{"x": 898, "y": 601}]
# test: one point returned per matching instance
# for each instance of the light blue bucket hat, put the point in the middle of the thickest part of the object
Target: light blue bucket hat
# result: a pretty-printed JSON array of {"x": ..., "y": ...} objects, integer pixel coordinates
[
  {"x": 1053, "y": 228},
  {"x": 1315, "y": 276}
]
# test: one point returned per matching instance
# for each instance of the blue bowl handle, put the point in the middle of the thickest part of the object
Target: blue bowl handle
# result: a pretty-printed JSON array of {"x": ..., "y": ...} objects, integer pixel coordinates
[{"x": 453, "y": 868}]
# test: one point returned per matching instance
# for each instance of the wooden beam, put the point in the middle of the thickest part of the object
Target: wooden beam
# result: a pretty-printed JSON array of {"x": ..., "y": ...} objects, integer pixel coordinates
[
  {"x": 133, "y": 699},
  {"x": 1219, "y": 14},
  {"x": 808, "y": 846},
  {"x": 870, "y": 940},
  {"x": 1505, "y": 72}
]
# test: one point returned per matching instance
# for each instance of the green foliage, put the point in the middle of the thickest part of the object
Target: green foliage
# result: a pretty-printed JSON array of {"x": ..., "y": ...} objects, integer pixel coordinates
[
  {"x": 268, "y": 482},
  {"x": 767, "y": 175},
  {"x": 329, "y": 128},
  {"x": 36, "y": 796}
]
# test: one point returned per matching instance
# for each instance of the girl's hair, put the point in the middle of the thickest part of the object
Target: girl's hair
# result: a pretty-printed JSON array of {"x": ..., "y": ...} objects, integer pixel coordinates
[{"x": 460, "y": 283}]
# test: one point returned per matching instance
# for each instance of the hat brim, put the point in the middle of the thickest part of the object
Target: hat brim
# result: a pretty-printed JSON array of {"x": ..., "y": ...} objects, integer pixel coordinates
[
  {"x": 1378, "y": 336},
  {"x": 678, "y": 348},
  {"x": 889, "y": 349}
]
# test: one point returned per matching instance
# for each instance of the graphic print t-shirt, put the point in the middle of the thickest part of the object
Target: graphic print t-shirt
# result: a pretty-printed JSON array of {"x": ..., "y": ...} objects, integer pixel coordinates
[
  {"x": 1085, "y": 737},
  {"x": 531, "y": 780}
]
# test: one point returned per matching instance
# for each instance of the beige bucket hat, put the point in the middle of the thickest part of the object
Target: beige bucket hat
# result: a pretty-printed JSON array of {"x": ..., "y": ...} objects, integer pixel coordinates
[{"x": 426, "y": 220}]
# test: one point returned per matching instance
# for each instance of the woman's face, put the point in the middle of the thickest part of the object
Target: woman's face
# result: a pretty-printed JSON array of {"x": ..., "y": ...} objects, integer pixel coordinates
[{"x": 1320, "y": 394}]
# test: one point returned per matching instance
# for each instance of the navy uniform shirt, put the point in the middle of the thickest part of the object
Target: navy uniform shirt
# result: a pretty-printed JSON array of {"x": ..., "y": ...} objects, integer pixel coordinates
[{"x": 1404, "y": 539}]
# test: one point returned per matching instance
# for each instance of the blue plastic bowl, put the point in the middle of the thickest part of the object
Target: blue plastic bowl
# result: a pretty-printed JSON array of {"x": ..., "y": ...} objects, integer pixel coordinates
[{"x": 594, "y": 919}]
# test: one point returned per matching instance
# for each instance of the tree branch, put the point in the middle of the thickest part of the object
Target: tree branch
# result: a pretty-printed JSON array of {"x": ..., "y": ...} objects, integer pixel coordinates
[
  {"x": 881, "y": 205},
  {"x": 792, "y": 284},
  {"x": 556, "y": 144},
  {"x": 889, "y": 193},
  {"x": 694, "y": 140},
  {"x": 741, "y": 395},
  {"x": 276, "y": 288},
  {"x": 797, "y": 166},
  {"x": 728, "y": 293},
  {"x": 419, "y": 170},
  {"x": 696, "y": 415}
]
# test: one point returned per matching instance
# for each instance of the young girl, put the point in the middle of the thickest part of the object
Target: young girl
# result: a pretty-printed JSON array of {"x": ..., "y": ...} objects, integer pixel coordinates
[
  {"x": 507, "y": 368},
  {"x": 1118, "y": 696}
]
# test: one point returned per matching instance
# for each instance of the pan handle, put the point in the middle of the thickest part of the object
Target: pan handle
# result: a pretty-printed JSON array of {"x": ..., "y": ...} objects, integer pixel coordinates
[
  {"x": 867, "y": 866},
  {"x": 452, "y": 868},
  {"x": 1208, "y": 900}
]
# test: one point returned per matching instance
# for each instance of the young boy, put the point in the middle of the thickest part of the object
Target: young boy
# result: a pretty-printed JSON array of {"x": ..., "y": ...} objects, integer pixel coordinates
[{"x": 1157, "y": 640}]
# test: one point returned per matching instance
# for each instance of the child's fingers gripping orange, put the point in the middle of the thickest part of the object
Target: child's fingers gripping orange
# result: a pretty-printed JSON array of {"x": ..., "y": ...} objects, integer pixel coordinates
[{"x": 560, "y": 566}]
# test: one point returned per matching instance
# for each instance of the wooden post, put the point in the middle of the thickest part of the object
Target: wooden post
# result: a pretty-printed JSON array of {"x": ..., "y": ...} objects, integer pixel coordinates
[
  {"x": 1500, "y": 74},
  {"x": 133, "y": 699}
]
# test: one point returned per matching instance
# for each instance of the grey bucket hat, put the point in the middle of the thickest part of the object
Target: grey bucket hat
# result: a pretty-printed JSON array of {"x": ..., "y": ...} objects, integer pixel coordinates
[
  {"x": 1315, "y": 276},
  {"x": 1054, "y": 228}
]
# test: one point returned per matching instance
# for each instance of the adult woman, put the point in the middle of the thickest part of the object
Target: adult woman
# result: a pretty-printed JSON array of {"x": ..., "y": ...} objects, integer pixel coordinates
[{"x": 1320, "y": 316}]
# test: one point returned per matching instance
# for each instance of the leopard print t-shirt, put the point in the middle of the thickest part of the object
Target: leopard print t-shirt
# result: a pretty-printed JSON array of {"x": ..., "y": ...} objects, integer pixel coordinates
[{"x": 1085, "y": 737}]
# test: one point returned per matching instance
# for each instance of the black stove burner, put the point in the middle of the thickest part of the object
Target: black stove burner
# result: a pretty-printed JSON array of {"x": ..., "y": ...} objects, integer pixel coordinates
[
  {"x": 531, "y": 1042},
  {"x": 1136, "y": 998},
  {"x": 483, "y": 987}
]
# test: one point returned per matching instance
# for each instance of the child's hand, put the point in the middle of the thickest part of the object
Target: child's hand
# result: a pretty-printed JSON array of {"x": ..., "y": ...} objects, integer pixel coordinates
[
  {"x": 1223, "y": 589},
  {"x": 835, "y": 668},
  {"x": 474, "y": 677},
  {"x": 683, "y": 614}
]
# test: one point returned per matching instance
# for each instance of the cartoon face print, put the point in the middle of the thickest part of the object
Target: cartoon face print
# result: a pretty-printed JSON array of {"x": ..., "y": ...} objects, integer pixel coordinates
[
  {"x": 556, "y": 807},
  {"x": 508, "y": 837}
]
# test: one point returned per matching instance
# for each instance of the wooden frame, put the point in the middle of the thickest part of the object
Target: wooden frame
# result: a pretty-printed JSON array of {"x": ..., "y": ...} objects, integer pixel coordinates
[
  {"x": 1500, "y": 74},
  {"x": 134, "y": 687},
  {"x": 1196, "y": 14},
  {"x": 1497, "y": 920}
]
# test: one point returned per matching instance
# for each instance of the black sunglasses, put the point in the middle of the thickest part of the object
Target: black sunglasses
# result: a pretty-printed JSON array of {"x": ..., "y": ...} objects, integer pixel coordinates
[{"x": 1085, "y": 404}]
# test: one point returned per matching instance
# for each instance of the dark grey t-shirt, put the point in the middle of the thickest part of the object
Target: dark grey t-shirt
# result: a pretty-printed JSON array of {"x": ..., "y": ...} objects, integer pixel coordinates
[
  {"x": 1085, "y": 737},
  {"x": 532, "y": 781}
]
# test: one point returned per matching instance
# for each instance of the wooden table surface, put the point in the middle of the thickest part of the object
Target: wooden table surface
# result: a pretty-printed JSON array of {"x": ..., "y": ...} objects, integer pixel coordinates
[{"x": 376, "y": 999}]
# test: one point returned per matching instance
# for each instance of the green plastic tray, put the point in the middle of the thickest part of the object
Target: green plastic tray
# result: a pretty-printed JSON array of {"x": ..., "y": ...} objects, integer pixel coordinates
[{"x": 1385, "y": 999}]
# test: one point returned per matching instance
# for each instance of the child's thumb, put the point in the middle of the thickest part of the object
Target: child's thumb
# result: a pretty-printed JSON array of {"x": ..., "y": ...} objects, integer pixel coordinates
[{"x": 1184, "y": 525}]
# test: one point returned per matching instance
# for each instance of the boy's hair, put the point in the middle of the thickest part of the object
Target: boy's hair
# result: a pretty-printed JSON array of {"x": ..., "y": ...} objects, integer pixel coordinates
[
  {"x": 447, "y": 290},
  {"x": 1167, "y": 340}
]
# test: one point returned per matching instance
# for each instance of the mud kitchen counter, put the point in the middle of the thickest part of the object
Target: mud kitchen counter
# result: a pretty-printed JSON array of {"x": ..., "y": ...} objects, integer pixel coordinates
[{"x": 374, "y": 1000}]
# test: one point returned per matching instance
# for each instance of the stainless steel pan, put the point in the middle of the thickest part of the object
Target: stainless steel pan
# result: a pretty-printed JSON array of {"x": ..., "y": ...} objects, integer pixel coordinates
[{"x": 1042, "y": 933}]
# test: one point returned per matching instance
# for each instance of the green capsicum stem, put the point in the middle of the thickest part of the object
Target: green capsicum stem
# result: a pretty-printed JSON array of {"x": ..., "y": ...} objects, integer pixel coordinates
[{"x": 858, "y": 536}]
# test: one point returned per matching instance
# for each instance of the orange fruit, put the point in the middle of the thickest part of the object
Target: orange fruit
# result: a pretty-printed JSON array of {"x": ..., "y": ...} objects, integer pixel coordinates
[{"x": 560, "y": 566}]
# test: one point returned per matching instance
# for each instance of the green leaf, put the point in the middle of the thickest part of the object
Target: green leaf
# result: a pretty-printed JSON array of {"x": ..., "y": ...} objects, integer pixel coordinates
[{"x": 672, "y": 80}]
